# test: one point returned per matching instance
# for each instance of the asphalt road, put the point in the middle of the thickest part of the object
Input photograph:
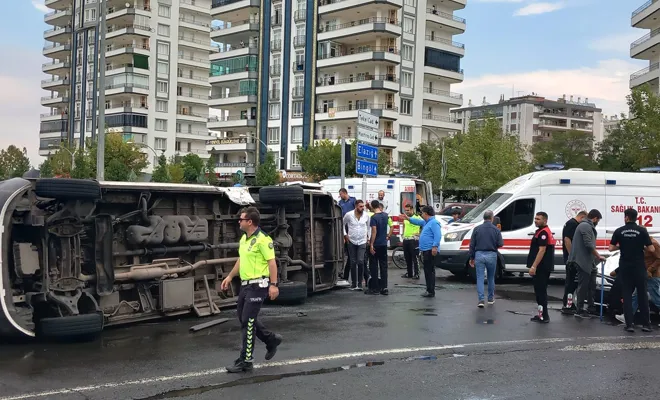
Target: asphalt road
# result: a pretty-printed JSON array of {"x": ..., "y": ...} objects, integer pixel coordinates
[{"x": 344, "y": 344}]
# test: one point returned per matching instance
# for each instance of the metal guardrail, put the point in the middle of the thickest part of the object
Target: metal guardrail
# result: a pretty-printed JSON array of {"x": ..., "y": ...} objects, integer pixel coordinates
[
  {"x": 364, "y": 21},
  {"x": 643, "y": 7},
  {"x": 386, "y": 49},
  {"x": 645, "y": 38},
  {"x": 644, "y": 71},
  {"x": 383, "y": 78},
  {"x": 445, "y": 15},
  {"x": 445, "y": 41},
  {"x": 443, "y": 93}
]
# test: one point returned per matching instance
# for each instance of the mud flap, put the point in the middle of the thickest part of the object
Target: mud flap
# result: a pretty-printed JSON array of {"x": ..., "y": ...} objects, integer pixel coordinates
[{"x": 105, "y": 273}]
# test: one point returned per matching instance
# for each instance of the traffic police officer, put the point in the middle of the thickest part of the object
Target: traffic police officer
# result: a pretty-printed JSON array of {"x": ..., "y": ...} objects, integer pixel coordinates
[
  {"x": 258, "y": 272},
  {"x": 632, "y": 240},
  {"x": 411, "y": 244}
]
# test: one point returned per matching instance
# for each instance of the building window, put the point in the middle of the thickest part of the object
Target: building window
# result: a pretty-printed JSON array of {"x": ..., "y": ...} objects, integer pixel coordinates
[
  {"x": 163, "y": 30},
  {"x": 401, "y": 158},
  {"x": 295, "y": 162},
  {"x": 163, "y": 68},
  {"x": 442, "y": 59},
  {"x": 162, "y": 87},
  {"x": 407, "y": 52},
  {"x": 406, "y": 79},
  {"x": 274, "y": 111},
  {"x": 164, "y": 49},
  {"x": 90, "y": 14},
  {"x": 408, "y": 25},
  {"x": 297, "y": 109},
  {"x": 409, "y": 3},
  {"x": 161, "y": 125},
  {"x": 273, "y": 135},
  {"x": 296, "y": 134},
  {"x": 160, "y": 143},
  {"x": 405, "y": 133},
  {"x": 406, "y": 107},
  {"x": 161, "y": 105},
  {"x": 164, "y": 11}
]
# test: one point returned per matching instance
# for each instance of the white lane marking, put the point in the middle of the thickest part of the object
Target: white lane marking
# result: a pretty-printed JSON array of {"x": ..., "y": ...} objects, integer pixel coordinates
[
  {"x": 301, "y": 361},
  {"x": 613, "y": 346}
]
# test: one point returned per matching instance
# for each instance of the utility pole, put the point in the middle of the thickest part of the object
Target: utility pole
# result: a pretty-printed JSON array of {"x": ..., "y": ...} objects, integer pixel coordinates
[
  {"x": 343, "y": 162},
  {"x": 100, "y": 149}
]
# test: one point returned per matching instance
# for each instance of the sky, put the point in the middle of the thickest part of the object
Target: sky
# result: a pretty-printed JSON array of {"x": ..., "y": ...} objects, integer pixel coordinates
[{"x": 513, "y": 47}]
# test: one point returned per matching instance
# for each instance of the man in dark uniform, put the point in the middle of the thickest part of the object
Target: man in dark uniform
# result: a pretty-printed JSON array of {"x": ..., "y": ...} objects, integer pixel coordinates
[
  {"x": 258, "y": 272},
  {"x": 632, "y": 240},
  {"x": 540, "y": 261},
  {"x": 570, "y": 284}
]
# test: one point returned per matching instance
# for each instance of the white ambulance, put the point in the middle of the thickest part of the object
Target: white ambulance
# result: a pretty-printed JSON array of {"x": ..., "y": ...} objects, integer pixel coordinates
[
  {"x": 561, "y": 194},
  {"x": 399, "y": 191}
]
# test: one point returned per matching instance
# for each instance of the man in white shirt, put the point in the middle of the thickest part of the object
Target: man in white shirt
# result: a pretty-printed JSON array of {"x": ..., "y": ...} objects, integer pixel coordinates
[
  {"x": 356, "y": 233},
  {"x": 383, "y": 201}
]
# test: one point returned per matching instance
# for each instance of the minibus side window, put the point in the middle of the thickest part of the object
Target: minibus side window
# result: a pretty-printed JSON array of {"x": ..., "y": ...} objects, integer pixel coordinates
[{"x": 517, "y": 215}]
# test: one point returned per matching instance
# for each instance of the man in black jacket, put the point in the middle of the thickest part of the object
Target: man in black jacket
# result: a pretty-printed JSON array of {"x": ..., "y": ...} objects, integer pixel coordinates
[{"x": 570, "y": 284}]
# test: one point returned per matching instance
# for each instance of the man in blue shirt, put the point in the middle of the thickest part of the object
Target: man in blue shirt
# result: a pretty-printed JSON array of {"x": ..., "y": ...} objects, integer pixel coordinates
[
  {"x": 429, "y": 243},
  {"x": 347, "y": 204},
  {"x": 378, "y": 263}
]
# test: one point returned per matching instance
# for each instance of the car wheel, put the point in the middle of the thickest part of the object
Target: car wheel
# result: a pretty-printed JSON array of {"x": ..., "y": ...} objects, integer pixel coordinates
[
  {"x": 291, "y": 292},
  {"x": 84, "y": 325},
  {"x": 68, "y": 189}
]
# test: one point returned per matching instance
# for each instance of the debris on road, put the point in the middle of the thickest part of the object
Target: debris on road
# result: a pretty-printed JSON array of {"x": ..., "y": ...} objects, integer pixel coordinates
[{"x": 208, "y": 324}]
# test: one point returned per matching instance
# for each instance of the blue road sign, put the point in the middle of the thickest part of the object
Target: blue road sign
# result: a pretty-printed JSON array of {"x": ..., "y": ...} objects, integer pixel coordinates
[
  {"x": 363, "y": 167},
  {"x": 367, "y": 152}
]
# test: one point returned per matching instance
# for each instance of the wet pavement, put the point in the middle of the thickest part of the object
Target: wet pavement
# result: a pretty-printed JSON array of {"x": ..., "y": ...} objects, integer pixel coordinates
[{"x": 343, "y": 343}]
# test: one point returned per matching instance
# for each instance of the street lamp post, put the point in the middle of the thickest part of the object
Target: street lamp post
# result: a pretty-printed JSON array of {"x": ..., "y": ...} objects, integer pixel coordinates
[
  {"x": 73, "y": 158},
  {"x": 100, "y": 147},
  {"x": 145, "y": 145}
]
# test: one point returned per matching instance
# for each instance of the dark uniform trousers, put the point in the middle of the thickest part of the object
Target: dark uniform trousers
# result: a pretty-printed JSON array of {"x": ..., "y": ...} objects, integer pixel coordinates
[
  {"x": 429, "y": 270},
  {"x": 635, "y": 277},
  {"x": 378, "y": 263},
  {"x": 410, "y": 252},
  {"x": 540, "y": 280},
  {"x": 570, "y": 284},
  {"x": 250, "y": 299}
]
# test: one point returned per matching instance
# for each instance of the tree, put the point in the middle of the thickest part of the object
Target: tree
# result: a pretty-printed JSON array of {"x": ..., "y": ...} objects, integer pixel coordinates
[
  {"x": 484, "y": 159},
  {"x": 161, "y": 173},
  {"x": 193, "y": 166},
  {"x": 120, "y": 158},
  {"x": 209, "y": 169},
  {"x": 176, "y": 173},
  {"x": 266, "y": 174},
  {"x": 425, "y": 161},
  {"x": 14, "y": 162},
  {"x": 572, "y": 149},
  {"x": 635, "y": 143},
  {"x": 323, "y": 159},
  {"x": 82, "y": 168},
  {"x": 46, "y": 169}
]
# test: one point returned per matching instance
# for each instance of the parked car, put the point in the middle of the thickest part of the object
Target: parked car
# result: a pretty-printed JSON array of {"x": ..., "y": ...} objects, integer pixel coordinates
[{"x": 78, "y": 255}]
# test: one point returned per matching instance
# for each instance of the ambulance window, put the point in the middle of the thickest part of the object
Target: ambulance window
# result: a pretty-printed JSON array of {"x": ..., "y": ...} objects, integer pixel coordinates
[
  {"x": 517, "y": 215},
  {"x": 407, "y": 198}
]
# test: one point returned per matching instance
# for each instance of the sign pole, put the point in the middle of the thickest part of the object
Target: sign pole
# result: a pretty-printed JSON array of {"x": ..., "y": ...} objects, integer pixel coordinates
[{"x": 343, "y": 162}]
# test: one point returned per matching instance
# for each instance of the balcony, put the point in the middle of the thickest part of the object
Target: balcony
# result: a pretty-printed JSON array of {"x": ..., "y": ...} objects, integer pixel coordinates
[
  {"x": 585, "y": 116},
  {"x": 58, "y": 17},
  {"x": 233, "y": 99},
  {"x": 231, "y": 122},
  {"x": 450, "y": 23},
  {"x": 644, "y": 75},
  {"x": 356, "y": 55},
  {"x": 187, "y": 114},
  {"x": 194, "y": 43},
  {"x": 386, "y": 111},
  {"x": 55, "y": 83},
  {"x": 455, "y": 5},
  {"x": 366, "y": 29},
  {"x": 202, "y": 99},
  {"x": 298, "y": 92},
  {"x": 646, "y": 47},
  {"x": 194, "y": 135},
  {"x": 195, "y": 6},
  {"x": 57, "y": 4},
  {"x": 299, "y": 41},
  {"x": 275, "y": 70},
  {"x": 56, "y": 67},
  {"x": 224, "y": 7},
  {"x": 441, "y": 122},
  {"x": 124, "y": 88},
  {"x": 274, "y": 95},
  {"x": 58, "y": 35},
  {"x": 194, "y": 80},
  {"x": 449, "y": 75},
  {"x": 230, "y": 168},
  {"x": 235, "y": 75},
  {"x": 122, "y": 15},
  {"x": 54, "y": 116},
  {"x": 300, "y": 15},
  {"x": 388, "y": 138},
  {"x": 237, "y": 30},
  {"x": 445, "y": 45},
  {"x": 117, "y": 50},
  {"x": 646, "y": 15},
  {"x": 443, "y": 96},
  {"x": 58, "y": 51},
  {"x": 298, "y": 66},
  {"x": 123, "y": 107},
  {"x": 193, "y": 61},
  {"x": 276, "y": 45},
  {"x": 349, "y": 7},
  {"x": 55, "y": 100},
  {"x": 229, "y": 144},
  {"x": 134, "y": 31},
  {"x": 234, "y": 51},
  {"x": 371, "y": 82},
  {"x": 553, "y": 125},
  {"x": 194, "y": 24}
]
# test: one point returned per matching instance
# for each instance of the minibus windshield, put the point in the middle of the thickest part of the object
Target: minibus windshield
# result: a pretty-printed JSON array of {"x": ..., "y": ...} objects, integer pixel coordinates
[{"x": 491, "y": 203}]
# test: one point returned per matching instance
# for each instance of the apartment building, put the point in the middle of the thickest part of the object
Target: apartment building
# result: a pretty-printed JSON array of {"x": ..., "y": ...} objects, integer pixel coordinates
[
  {"x": 535, "y": 118},
  {"x": 156, "y": 70},
  {"x": 286, "y": 73},
  {"x": 646, "y": 47}
]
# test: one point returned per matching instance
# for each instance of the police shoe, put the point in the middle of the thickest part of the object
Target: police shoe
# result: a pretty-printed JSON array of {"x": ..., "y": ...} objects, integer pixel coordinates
[
  {"x": 242, "y": 366},
  {"x": 272, "y": 348}
]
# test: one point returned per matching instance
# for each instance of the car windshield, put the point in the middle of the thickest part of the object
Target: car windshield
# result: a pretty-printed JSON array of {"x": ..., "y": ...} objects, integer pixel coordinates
[{"x": 491, "y": 203}]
